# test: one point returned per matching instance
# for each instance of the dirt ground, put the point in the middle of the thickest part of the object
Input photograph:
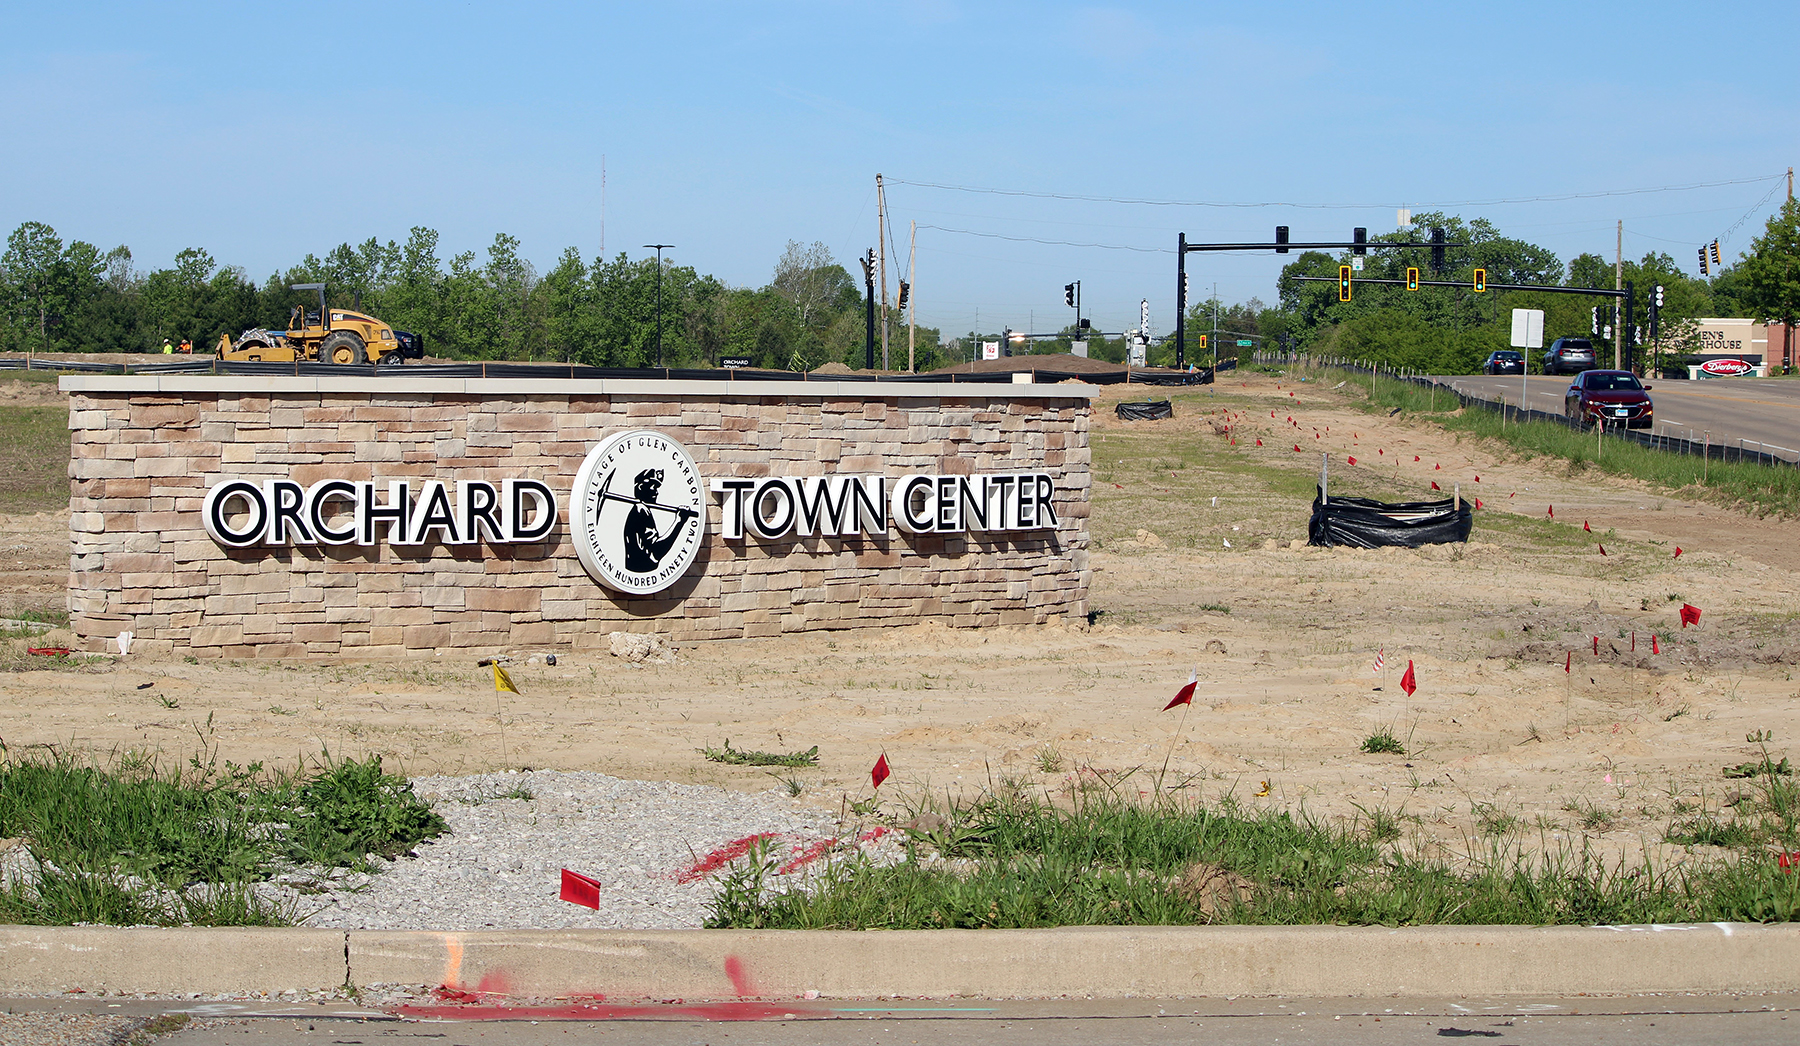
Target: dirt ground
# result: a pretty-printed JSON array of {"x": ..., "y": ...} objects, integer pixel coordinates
[{"x": 1502, "y": 745}]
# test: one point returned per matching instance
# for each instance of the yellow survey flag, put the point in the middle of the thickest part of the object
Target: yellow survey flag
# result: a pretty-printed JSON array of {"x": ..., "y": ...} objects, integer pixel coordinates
[{"x": 502, "y": 682}]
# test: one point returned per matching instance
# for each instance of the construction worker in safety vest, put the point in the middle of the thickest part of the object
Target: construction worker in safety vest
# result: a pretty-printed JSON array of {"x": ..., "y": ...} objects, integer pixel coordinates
[
  {"x": 187, "y": 346},
  {"x": 168, "y": 350}
]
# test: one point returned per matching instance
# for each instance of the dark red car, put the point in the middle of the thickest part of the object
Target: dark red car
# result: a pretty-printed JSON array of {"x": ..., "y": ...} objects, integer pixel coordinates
[{"x": 1613, "y": 396}]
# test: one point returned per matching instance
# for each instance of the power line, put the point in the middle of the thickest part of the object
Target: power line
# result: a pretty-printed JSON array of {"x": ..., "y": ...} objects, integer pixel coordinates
[
  {"x": 1550, "y": 198},
  {"x": 1052, "y": 243}
]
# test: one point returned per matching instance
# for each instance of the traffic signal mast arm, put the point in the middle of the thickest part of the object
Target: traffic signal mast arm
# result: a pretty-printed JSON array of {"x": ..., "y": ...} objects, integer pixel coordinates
[
  {"x": 1464, "y": 284},
  {"x": 1368, "y": 245}
]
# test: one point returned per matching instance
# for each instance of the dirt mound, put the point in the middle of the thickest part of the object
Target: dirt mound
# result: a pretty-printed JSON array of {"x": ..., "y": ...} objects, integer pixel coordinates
[{"x": 1211, "y": 888}]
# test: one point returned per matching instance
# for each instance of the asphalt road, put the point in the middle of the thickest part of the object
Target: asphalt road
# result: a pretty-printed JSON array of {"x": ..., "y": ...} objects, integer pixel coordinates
[
  {"x": 1755, "y": 410},
  {"x": 1583, "y": 1021}
]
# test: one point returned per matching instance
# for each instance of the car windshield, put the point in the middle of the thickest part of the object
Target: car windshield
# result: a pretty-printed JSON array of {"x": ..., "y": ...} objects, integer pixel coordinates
[
  {"x": 1578, "y": 346},
  {"x": 1613, "y": 383}
]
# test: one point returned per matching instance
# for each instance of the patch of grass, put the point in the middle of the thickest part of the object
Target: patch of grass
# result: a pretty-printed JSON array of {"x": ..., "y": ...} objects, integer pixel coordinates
[
  {"x": 1383, "y": 742},
  {"x": 133, "y": 844},
  {"x": 1493, "y": 821},
  {"x": 1107, "y": 857},
  {"x": 1761, "y": 488},
  {"x": 1760, "y": 768},
  {"x": 1049, "y": 760},
  {"x": 34, "y": 458},
  {"x": 736, "y": 757},
  {"x": 1217, "y": 607},
  {"x": 1590, "y": 816},
  {"x": 1710, "y": 831}
]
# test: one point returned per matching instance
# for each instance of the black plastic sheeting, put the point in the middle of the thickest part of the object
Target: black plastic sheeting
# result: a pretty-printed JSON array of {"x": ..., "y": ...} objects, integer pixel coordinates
[
  {"x": 1364, "y": 523},
  {"x": 1151, "y": 410}
]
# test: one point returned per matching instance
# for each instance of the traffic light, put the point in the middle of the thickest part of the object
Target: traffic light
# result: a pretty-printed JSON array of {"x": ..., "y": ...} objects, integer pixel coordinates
[
  {"x": 1069, "y": 295},
  {"x": 1412, "y": 279},
  {"x": 1480, "y": 281},
  {"x": 905, "y": 293},
  {"x": 1437, "y": 249},
  {"x": 1656, "y": 303},
  {"x": 868, "y": 266},
  {"x": 1715, "y": 252},
  {"x": 1343, "y": 283},
  {"x": 1083, "y": 324},
  {"x": 1281, "y": 238},
  {"x": 1203, "y": 341},
  {"x": 1703, "y": 260},
  {"x": 1595, "y": 326},
  {"x": 1359, "y": 237}
]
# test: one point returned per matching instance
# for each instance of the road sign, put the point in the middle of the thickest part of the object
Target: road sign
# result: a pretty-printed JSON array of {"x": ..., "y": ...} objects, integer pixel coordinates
[
  {"x": 1245, "y": 343},
  {"x": 1528, "y": 328},
  {"x": 734, "y": 362}
]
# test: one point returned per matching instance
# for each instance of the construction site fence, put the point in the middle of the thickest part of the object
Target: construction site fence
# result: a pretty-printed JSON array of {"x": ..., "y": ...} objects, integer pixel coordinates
[
  {"x": 1743, "y": 449},
  {"x": 544, "y": 370}
]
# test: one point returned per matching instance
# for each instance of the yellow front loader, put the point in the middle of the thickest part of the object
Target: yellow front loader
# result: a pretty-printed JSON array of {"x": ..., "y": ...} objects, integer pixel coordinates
[{"x": 340, "y": 336}]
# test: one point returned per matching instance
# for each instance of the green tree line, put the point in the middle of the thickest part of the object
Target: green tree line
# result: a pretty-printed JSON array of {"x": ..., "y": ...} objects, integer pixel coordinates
[{"x": 74, "y": 297}]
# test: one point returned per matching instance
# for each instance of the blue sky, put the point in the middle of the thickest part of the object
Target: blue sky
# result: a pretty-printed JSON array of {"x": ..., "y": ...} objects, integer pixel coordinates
[{"x": 263, "y": 132}]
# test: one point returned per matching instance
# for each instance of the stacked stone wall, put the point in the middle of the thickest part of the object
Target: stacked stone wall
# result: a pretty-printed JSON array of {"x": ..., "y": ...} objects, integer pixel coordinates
[{"x": 144, "y": 450}]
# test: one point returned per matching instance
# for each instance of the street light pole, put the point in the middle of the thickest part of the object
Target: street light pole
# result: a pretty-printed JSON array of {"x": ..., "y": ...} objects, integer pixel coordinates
[{"x": 660, "y": 247}]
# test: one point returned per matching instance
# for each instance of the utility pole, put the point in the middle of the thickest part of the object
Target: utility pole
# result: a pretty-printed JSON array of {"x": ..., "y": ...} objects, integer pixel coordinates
[
  {"x": 660, "y": 247},
  {"x": 1618, "y": 284},
  {"x": 912, "y": 300},
  {"x": 881, "y": 253},
  {"x": 1790, "y": 185}
]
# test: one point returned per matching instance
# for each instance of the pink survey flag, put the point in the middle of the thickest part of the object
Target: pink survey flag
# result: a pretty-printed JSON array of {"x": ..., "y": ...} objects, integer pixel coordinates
[
  {"x": 1184, "y": 696},
  {"x": 580, "y": 889}
]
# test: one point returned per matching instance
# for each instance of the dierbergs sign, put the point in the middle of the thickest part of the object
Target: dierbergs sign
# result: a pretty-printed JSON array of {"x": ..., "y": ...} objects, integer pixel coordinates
[{"x": 637, "y": 510}]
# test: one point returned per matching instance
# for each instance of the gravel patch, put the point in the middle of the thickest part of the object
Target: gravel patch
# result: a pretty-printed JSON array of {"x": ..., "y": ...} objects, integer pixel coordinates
[{"x": 500, "y": 865}]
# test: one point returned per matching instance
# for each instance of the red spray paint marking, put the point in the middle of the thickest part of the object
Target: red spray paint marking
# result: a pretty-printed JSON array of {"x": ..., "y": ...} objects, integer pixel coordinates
[
  {"x": 873, "y": 834},
  {"x": 807, "y": 856},
  {"x": 721, "y": 857},
  {"x": 740, "y": 977}
]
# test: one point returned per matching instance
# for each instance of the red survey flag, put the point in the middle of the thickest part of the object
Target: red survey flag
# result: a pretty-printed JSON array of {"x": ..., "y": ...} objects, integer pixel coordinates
[
  {"x": 1690, "y": 615},
  {"x": 1478, "y": 479},
  {"x": 1634, "y": 642},
  {"x": 580, "y": 889},
  {"x": 1352, "y": 459},
  {"x": 880, "y": 772},
  {"x": 1408, "y": 682},
  {"x": 1296, "y": 448},
  {"x": 1184, "y": 696},
  {"x": 1584, "y": 526},
  {"x": 1437, "y": 468},
  {"x": 1551, "y": 512},
  {"x": 1602, "y": 548},
  {"x": 1415, "y": 457},
  {"x": 1259, "y": 443},
  {"x": 1677, "y": 551},
  {"x": 1568, "y": 659},
  {"x": 1477, "y": 502},
  {"x": 1596, "y": 646},
  {"x": 1434, "y": 485},
  {"x": 1655, "y": 648}
]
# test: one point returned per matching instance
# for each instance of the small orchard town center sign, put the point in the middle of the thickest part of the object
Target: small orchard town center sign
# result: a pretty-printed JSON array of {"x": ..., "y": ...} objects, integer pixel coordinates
[{"x": 637, "y": 509}]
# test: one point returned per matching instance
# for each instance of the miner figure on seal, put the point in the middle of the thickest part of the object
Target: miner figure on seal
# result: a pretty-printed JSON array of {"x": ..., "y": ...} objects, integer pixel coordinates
[{"x": 644, "y": 547}]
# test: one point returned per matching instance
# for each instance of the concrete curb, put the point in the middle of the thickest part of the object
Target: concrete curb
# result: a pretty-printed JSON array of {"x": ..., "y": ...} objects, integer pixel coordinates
[{"x": 1098, "y": 962}]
